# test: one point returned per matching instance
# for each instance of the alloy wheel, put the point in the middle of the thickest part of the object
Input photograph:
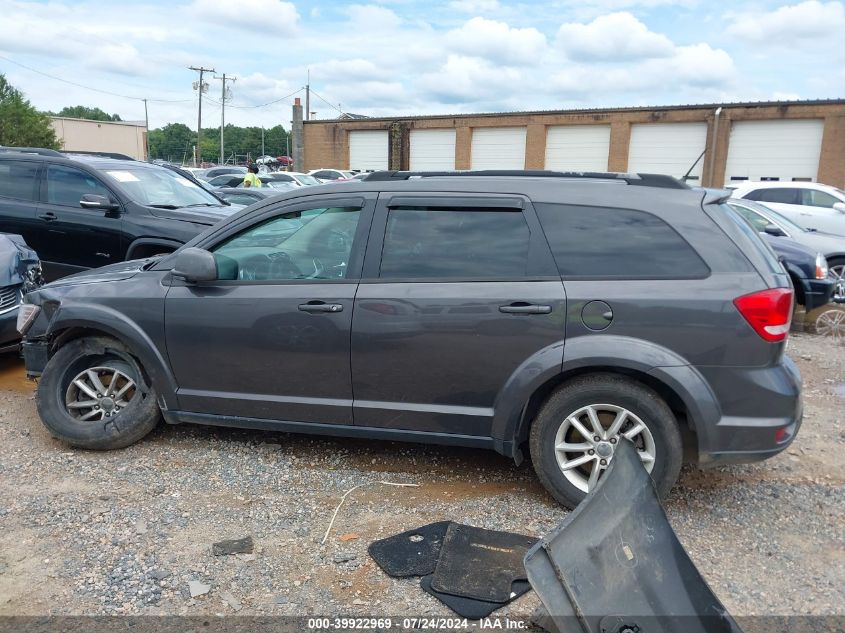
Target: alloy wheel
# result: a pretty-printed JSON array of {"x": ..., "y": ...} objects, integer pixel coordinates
[
  {"x": 831, "y": 323},
  {"x": 99, "y": 393},
  {"x": 837, "y": 274},
  {"x": 587, "y": 439}
]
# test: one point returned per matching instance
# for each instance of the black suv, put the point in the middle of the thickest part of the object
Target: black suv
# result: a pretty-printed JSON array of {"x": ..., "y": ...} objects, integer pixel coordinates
[
  {"x": 554, "y": 312},
  {"x": 81, "y": 211}
]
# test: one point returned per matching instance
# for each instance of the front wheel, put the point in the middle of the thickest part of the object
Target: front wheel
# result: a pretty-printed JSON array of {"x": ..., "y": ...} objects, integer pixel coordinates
[
  {"x": 576, "y": 432},
  {"x": 93, "y": 394},
  {"x": 836, "y": 272}
]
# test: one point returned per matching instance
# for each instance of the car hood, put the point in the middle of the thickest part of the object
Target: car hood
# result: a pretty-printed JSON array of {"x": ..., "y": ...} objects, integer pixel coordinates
[
  {"x": 112, "y": 272},
  {"x": 17, "y": 259},
  {"x": 197, "y": 215}
]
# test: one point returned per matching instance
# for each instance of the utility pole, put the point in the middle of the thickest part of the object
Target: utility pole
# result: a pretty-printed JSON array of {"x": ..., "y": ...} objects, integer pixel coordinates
[
  {"x": 308, "y": 96},
  {"x": 147, "y": 133},
  {"x": 223, "y": 97},
  {"x": 199, "y": 88},
  {"x": 262, "y": 140}
]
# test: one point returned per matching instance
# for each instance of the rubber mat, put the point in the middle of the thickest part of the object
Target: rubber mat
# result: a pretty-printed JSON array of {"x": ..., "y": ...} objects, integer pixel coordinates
[
  {"x": 469, "y": 607},
  {"x": 411, "y": 553},
  {"x": 480, "y": 564}
]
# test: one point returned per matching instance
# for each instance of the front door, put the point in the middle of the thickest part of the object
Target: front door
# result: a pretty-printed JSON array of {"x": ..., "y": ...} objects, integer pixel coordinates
[
  {"x": 458, "y": 294},
  {"x": 73, "y": 238},
  {"x": 270, "y": 338}
]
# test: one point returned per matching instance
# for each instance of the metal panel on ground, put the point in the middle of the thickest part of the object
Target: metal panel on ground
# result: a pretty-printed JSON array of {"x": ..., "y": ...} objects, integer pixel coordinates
[
  {"x": 432, "y": 150},
  {"x": 368, "y": 150},
  {"x": 667, "y": 148},
  {"x": 774, "y": 150},
  {"x": 498, "y": 148},
  {"x": 577, "y": 147}
]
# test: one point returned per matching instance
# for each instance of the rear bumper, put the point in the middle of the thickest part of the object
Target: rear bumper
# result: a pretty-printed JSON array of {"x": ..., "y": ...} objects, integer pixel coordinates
[{"x": 761, "y": 412}]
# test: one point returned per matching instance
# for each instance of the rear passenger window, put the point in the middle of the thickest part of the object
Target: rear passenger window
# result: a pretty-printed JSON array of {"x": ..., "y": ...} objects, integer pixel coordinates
[
  {"x": 443, "y": 243},
  {"x": 782, "y": 195},
  {"x": 617, "y": 243},
  {"x": 17, "y": 179}
]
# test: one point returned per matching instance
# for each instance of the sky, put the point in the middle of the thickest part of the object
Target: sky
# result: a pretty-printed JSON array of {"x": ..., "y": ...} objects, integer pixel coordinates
[{"x": 412, "y": 57}]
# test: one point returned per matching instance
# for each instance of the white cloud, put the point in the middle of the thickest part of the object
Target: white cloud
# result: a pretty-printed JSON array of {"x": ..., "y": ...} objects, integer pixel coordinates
[
  {"x": 496, "y": 41},
  {"x": 467, "y": 79},
  {"x": 475, "y": 6},
  {"x": 371, "y": 17},
  {"x": 265, "y": 16},
  {"x": 615, "y": 36},
  {"x": 348, "y": 70},
  {"x": 809, "y": 20}
]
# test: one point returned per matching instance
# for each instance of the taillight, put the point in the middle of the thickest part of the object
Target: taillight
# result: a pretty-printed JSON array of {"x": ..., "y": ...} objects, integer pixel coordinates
[{"x": 769, "y": 312}]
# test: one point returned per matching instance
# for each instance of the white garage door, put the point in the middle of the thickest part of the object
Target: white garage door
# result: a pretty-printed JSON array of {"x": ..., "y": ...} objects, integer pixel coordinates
[
  {"x": 774, "y": 150},
  {"x": 498, "y": 148},
  {"x": 667, "y": 148},
  {"x": 577, "y": 147},
  {"x": 432, "y": 150},
  {"x": 368, "y": 149}
]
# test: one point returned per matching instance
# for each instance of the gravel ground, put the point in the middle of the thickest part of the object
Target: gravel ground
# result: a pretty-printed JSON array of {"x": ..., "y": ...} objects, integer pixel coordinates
[{"x": 125, "y": 532}]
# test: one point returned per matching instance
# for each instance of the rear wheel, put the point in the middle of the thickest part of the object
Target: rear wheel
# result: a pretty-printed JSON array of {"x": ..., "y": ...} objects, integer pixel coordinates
[
  {"x": 576, "y": 432},
  {"x": 93, "y": 394}
]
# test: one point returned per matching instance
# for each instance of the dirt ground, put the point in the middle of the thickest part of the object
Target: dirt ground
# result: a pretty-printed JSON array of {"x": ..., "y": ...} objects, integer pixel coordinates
[{"x": 125, "y": 532}]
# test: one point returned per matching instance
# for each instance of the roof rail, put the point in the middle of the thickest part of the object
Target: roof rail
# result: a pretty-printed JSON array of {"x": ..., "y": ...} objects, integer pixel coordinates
[
  {"x": 642, "y": 180},
  {"x": 41, "y": 151},
  {"x": 113, "y": 155}
]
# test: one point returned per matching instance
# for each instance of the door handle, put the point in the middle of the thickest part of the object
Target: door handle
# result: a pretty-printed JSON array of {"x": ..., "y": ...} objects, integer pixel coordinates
[
  {"x": 48, "y": 217},
  {"x": 521, "y": 307},
  {"x": 319, "y": 306}
]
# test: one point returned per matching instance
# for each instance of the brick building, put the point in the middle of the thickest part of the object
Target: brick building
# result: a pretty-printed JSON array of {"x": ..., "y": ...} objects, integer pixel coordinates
[{"x": 797, "y": 140}]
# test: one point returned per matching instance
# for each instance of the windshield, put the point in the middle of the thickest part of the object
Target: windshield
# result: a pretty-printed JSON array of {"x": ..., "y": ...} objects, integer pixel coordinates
[
  {"x": 307, "y": 180},
  {"x": 161, "y": 188}
]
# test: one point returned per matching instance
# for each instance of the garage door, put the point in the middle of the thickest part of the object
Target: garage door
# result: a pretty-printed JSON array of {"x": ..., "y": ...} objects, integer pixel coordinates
[
  {"x": 498, "y": 148},
  {"x": 774, "y": 150},
  {"x": 667, "y": 148},
  {"x": 432, "y": 150},
  {"x": 368, "y": 149},
  {"x": 577, "y": 147}
]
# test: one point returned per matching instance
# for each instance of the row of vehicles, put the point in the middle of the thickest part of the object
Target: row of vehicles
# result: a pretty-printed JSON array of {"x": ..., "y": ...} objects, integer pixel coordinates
[{"x": 556, "y": 314}]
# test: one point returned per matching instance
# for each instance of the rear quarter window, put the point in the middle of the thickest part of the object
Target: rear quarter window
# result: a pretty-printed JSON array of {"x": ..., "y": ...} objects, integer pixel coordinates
[
  {"x": 755, "y": 240},
  {"x": 601, "y": 242}
]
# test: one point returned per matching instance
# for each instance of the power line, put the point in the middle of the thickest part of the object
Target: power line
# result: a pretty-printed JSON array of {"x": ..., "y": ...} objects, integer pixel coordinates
[
  {"x": 263, "y": 105},
  {"x": 313, "y": 92},
  {"x": 105, "y": 92}
]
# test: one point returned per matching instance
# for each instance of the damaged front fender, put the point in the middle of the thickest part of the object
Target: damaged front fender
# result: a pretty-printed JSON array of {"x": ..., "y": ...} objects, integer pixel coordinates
[
  {"x": 19, "y": 264},
  {"x": 615, "y": 565}
]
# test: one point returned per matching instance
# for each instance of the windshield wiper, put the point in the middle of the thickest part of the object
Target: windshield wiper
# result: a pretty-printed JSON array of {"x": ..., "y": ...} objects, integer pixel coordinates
[
  {"x": 165, "y": 206},
  {"x": 204, "y": 204}
]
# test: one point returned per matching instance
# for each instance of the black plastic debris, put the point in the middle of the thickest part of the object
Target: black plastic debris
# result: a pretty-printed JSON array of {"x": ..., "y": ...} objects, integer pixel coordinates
[
  {"x": 471, "y": 570},
  {"x": 480, "y": 564},
  {"x": 411, "y": 553},
  {"x": 469, "y": 607},
  {"x": 614, "y": 565},
  {"x": 233, "y": 546}
]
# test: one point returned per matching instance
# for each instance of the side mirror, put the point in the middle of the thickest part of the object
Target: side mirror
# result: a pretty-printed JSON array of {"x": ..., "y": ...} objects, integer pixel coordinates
[
  {"x": 94, "y": 201},
  {"x": 839, "y": 206},
  {"x": 774, "y": 229},
  {"x": 195, "y": 264}
]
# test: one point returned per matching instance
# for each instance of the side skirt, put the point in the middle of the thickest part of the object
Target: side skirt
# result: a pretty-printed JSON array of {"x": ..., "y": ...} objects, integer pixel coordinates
[{"x": 337, "y": 430}]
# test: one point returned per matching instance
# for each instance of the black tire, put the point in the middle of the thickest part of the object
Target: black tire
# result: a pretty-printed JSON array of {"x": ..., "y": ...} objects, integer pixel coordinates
[
  {"x": 126, "y": 426},
  {"x": 607, "y": 389}
]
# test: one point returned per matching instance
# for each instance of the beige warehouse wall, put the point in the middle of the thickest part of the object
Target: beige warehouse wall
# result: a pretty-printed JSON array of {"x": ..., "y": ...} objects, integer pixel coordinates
[{"x": 82, "y": 135}]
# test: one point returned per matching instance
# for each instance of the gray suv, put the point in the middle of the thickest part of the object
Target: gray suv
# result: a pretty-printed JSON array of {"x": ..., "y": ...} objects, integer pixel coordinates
[{"x": 537, "y": 312}]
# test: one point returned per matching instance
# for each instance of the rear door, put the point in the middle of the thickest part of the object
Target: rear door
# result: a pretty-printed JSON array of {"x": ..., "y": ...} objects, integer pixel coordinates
[
  {"x": 71, "y": 237},
  {"x": 458, "y": 292}
]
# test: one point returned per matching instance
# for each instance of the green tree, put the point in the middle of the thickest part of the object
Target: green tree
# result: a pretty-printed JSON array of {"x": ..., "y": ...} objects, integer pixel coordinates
[
  {"x": 174, "y": 142},
  {"x": 85, "y": 112},
  {"x": 22, "y": 125}
]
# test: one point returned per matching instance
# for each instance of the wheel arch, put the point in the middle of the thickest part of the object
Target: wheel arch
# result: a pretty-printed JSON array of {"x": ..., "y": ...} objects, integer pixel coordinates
[{"x": 73, "y": 322}]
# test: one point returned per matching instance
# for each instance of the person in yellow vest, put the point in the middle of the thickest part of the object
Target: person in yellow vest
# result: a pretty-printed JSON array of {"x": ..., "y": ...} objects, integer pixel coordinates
[{"x": 251, "y": 179}]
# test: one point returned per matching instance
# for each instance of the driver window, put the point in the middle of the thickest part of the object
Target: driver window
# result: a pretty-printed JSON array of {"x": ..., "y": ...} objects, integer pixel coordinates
[
  {"x": 307, "y": 244},
  {"x": 66, "y": 186}
]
